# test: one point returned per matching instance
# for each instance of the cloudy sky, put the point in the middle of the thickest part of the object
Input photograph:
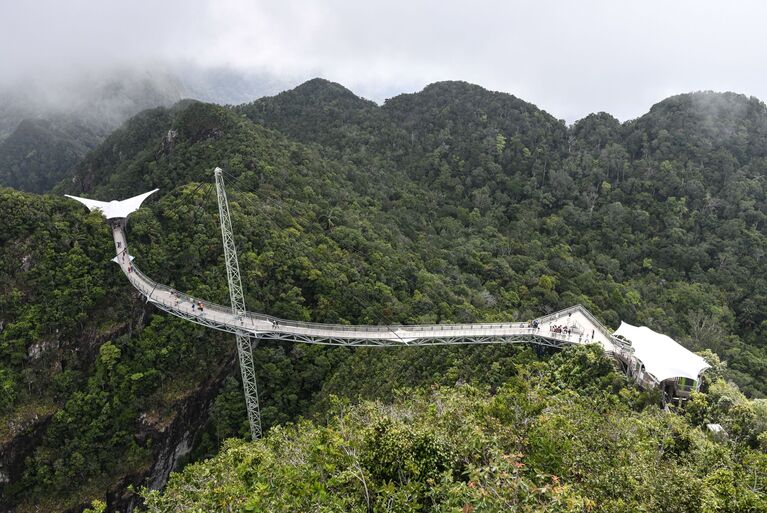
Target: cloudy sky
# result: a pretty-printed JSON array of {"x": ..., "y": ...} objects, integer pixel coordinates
[{"x": 568, "y": 57}]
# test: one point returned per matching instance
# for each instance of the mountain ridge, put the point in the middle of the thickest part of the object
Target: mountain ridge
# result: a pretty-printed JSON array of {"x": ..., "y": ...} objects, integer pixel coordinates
[{"x": 476, "y": 207}]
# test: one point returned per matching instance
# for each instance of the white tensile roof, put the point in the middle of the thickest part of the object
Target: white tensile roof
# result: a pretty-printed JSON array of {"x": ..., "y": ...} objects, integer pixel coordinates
[
  {"x": 114, "y": 209},
  {"x": 661, "y": 355}
]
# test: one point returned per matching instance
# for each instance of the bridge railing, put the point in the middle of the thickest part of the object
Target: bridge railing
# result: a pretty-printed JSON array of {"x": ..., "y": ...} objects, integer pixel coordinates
[
  {"x": 395, "y": 329},
  {"x": 577, "y": 308},
  {"x": 152, "y": 289}
]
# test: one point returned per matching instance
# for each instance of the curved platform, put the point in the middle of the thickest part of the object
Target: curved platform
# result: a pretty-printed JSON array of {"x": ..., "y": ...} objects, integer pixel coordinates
[
  {"x": 584, "y": 327},
  {"x": 649, "y": 357}
]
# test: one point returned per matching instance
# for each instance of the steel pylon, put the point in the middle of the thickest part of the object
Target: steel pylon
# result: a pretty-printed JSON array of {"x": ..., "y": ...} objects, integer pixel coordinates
[{"x": 244, "y": 345}]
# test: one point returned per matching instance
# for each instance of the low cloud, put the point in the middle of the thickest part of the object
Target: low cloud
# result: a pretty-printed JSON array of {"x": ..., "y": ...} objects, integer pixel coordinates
[{"x": 570, "y": 58}]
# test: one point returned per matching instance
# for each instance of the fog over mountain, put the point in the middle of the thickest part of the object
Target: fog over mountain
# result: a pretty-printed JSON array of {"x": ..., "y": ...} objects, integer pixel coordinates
[
  {"x": 573, "y": 57},
  {"x": 108, "y": 96},
  {"x": 48, "y": 124},
  {"x": 104, "y": 97}
]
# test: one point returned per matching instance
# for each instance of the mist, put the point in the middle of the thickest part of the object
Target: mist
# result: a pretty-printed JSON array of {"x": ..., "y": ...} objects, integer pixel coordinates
[{"x": 569, "y": 58}]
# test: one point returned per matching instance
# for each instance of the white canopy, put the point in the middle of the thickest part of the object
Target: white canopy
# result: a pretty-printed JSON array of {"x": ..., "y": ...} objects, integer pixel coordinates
[
  {"x": 114, "y": 209},
  {"x": 661, "y": 355},
  {"x": 117, "y": 259}
]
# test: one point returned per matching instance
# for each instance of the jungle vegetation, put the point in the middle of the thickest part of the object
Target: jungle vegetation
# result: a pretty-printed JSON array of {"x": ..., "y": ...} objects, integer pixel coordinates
[{"x": 454, "y": 204}]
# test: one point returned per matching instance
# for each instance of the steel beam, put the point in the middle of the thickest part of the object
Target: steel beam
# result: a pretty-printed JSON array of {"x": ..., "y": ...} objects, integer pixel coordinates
[{"x": 244, "y": 346}]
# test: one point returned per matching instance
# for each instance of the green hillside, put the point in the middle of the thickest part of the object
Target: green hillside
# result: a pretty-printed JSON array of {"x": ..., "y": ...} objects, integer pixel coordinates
[
  {"x": 454, "y": 204},
  {"x": 560, "y": 436},
  {"x": 40, "y": 152}
]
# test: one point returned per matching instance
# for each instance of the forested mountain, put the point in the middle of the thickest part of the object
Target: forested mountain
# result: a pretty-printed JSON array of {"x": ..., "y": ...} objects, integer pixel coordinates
[
  {"x": 454, "y": 204},
  {"x": 40, "y": 152},
  {"x": 659, "y": 221},
  {"x": 48, "y": 126}
]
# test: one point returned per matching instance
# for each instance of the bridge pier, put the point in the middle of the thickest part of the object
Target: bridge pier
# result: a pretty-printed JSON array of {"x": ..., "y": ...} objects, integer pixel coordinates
[{"x": 244, "y": 347}]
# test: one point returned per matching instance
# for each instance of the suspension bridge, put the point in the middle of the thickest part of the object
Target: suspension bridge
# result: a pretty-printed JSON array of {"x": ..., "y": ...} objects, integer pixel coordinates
[{"x": 574, "y": 325}]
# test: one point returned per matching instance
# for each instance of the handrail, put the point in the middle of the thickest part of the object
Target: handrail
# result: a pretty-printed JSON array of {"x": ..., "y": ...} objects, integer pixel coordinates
[
  {"x": 147, "y": 286},
  {"x": 577, "y": 308},
  {"x": 395, "y": 333}
]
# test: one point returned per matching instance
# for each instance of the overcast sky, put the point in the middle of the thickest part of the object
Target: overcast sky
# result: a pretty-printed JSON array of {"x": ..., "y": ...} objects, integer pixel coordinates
[{"x": 570, "y": 58}]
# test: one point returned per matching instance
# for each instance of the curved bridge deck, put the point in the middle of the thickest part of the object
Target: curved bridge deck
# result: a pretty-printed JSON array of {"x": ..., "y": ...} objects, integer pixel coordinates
[{"x": 585, "y": 328}]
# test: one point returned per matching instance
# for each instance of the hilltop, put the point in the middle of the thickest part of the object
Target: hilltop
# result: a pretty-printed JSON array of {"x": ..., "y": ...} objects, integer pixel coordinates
[{"x": 453, "y": 204}]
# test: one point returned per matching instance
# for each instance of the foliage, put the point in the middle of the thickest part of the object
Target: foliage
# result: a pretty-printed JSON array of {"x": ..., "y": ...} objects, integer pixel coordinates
[
  {"x": 532, "y": 446},
  {"x": 40, "y": 152},
  {"x": 454, "y": 204},
  {"x": 659, "y": 221}
]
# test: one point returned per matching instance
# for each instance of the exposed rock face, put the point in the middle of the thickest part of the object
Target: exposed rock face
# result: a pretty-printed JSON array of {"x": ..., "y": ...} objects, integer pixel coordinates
[
  {"x": 173, "y": 440},
  {"x": 37, "y": 349},
  {"x": 13, "y": 453},
  {"x": 168, "y": 143}
]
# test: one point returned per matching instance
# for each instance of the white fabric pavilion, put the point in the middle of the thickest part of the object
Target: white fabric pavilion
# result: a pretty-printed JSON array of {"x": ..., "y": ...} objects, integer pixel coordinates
[
  {"x": 661, "y": 355},
  {"x": 115, "y": 209}
]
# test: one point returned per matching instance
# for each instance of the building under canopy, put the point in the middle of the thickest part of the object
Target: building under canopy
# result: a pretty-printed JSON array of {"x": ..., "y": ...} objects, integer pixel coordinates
[{"x": 663, "y": 358}]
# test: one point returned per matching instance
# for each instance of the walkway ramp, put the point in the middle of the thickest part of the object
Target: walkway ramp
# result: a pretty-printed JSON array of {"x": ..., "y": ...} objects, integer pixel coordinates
[
  {"x": 574, "y": 325},
  {"x": 665, "y": 359}
]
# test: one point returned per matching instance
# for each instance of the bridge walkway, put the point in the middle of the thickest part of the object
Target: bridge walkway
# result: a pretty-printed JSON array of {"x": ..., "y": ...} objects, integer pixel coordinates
[{"x": 585, "y": 328}]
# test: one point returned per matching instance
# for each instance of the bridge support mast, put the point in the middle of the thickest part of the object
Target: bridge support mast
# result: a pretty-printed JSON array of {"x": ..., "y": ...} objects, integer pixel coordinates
[{"x": 244, "y": 345}]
